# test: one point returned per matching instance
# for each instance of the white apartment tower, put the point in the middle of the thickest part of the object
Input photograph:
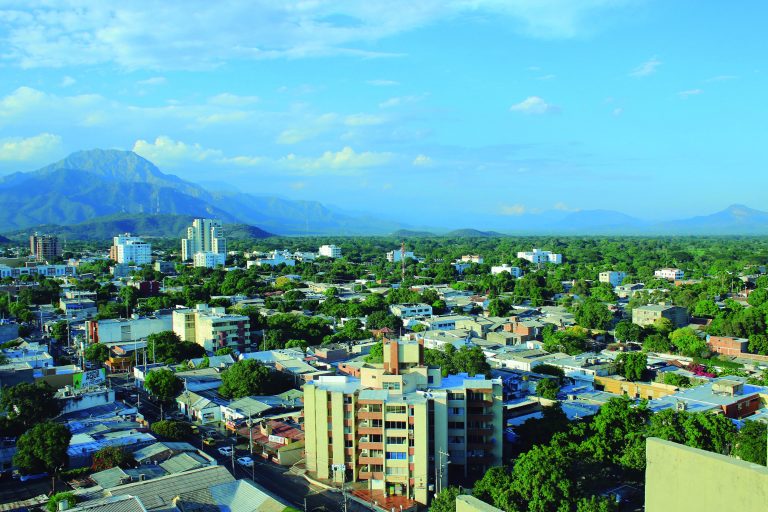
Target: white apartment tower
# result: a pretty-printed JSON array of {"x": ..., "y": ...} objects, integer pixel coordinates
[
  {"x": 204, "y": 235},
  {"x": 330, "y": 251},
  {"x": 130, "y": 249}
]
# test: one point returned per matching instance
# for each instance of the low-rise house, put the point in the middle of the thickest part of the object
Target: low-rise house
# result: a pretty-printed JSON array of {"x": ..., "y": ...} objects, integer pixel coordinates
[
  {"x": 514, "y": 271},
  {"x": 727, "y": 345},
  {"x": 525, "y": 360},
  {"x": 647, "y": 315},
  {"x": 410, "y": 310},
  {"x": 642, "y": 390},
  {"x": 730, "y": 396},
  {"x": 279, "y": 441},
  {"x": 198, "y": 408}
]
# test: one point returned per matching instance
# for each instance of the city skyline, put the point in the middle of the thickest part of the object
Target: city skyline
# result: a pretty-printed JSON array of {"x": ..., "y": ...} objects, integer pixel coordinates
[{"x": 390, "y": 107}]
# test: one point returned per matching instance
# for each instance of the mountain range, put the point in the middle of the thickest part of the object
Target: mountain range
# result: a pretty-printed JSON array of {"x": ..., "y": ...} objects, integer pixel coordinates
[{"x": 100, "y": 192}]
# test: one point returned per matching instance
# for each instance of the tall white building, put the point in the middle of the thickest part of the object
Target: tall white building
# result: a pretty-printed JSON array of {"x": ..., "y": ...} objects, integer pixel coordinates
[
  {"x": 130, "y": 249},
  {"x": 204, "y": 235},
  {"x": 613, "y": 277},
  {"x": 538, "y": 256},
  {"x": 330, "y": 251},
  {"x": 673, "y": 274},
  {"x": 515, "y": 271}
]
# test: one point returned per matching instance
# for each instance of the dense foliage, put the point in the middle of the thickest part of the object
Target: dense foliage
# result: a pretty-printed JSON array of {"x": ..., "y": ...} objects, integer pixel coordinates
[{"x": 42, "y": 448}]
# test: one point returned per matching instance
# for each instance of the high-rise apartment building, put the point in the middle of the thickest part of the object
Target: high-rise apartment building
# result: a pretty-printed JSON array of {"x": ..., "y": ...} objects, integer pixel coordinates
[
  {"x": 44, "y": 247},
  {"x": 402, "y": 426},
  {"x": 212, "y": 328},
  {"x": 329, "y": 251},
  {"x": 130, "y": 249},
  {"x": 204, "y": 235}
]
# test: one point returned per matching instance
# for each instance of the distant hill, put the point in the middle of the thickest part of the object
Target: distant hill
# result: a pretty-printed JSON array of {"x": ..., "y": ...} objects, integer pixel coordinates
[
  {"x": 472, "y": 233},
  {"x": 4, "y": 240},
  {"x": 162, "y": 226},
  {"x": 599, "y": 221},
  {"x": 407, "y": 233},
  {"x": 98, "y": 183},
  {"x": 735, "y": 220}
]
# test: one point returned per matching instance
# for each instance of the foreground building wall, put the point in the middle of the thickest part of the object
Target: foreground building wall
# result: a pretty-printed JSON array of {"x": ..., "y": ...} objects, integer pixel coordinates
[{"x": 686, "y": 479}]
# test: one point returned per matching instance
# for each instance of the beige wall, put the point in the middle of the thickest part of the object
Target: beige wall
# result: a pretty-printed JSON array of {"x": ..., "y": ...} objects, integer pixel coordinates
[{"x": 683, "y": 479}]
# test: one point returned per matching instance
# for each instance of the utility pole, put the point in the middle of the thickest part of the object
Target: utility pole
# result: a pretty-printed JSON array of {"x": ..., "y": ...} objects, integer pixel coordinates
[{"x": 233, "y": 459}]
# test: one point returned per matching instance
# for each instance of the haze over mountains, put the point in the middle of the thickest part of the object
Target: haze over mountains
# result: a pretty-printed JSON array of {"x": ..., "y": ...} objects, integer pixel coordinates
[{"x": 104, "y": 191}]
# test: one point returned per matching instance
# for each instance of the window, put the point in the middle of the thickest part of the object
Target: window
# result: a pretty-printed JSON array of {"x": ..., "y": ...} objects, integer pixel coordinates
[
  {"x": 348, "y": 443},
  {"x": 396, "y": 409},
  {"x": 392, "y": 386},
  {"x": 396, "y": 424},
  {"x": 397, "y": 471},
  {"x": 456, "y": 424},
  {"x": 395, "y": 440},
  {"x": 457, "y": 411},
  {"x": 396, "y": 456},
  {"x": 455, "y": 396}
]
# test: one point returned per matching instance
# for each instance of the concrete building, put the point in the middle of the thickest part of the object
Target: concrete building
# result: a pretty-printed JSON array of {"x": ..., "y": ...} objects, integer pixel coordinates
[
  {"x": 515, "y": 271},
  {"x": 329, "y": 251},
  {"x": 126, "y": 329},
  {"x": 472, "y": 258},
  {"x": 204, "y": 235},
  {"x": 209, "y": 259},
  {"x": 672, "y": 274},
  {"x": 647, "y": 315},
  {"x": 401, "y": 426},
  {"x": 38, "y": 270},
  {"x": 410, "y": 310},
  {"x": 78, "y": 309},
  {"x": 727, "y": 345},
  {"x": 538, "y": 256},
  {"x": 273, "y": 259},
  {"x": 213, "y": 328},
  {"x": 44, "y": 247},
  {"x": 165, "y": 267},
  {"x": 130, "y": 249},
  {"x": 612, "y": 277},
  {"x": 686, "y": 479},
  {"x": 396, "y": 256}
]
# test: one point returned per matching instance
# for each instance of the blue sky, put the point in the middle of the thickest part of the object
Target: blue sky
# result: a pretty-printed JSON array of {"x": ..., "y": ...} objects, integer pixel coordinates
[{"x": 452, "y": 109}]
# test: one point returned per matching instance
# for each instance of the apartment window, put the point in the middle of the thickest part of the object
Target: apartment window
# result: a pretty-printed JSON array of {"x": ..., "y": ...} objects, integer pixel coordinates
[
  {"x": 396, "y": 409},
  {"x": 397, "y": 471},
  {"x": 395, "y": 440},
  {"x": 457, "y": 411},
  {"x": 392, "y": 386},
  {"x": 396, "y": 456},
  {"x": 456, "y": 424},
  {"x": 455, "y": 396},
  {"x": 348, "y": 443},
  {"x": 396, "y": 424},
  {"x": 431, "y": 379}
]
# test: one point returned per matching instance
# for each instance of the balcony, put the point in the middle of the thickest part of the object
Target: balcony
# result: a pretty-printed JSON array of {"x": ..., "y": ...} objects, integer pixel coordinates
[
  {"x": 370, "y": 415},
  {"x": 367, "y": 445},
  {"x": 370, "y": 460}
]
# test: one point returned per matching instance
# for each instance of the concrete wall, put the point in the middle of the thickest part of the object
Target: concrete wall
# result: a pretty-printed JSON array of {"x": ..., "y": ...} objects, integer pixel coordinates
[
  {"x": 686, "y": 479},
  {"x": 466, "y": 503}
]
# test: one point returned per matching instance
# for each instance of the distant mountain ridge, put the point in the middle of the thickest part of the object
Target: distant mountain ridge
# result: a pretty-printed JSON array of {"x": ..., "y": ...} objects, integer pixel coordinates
[
  {"x": 97, "y": 183},
  {"x": 147, "y": 225}
]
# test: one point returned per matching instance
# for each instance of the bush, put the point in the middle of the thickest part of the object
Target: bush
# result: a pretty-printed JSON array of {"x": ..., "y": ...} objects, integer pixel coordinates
[
  {"x": 53, "y": 503},
  {"x": 172, "y": 429}
]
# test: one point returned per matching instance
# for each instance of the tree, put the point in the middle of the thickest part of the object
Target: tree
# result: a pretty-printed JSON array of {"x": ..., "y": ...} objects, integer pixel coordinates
[
  {"x": 597, "y": 504},
  {"x": 548, "y": 369},
  {"x": 380, "y": 319},
  {"x": 706, "y": 308},
  {"x": 244, "y": 378},
  {"x": 593, "y": 314},
  {"x": 376, "y": 355},
  {"x": 617, "y": 433},
  {"x": 224, "y": 351},
  {"x": 675, "y": 379},
  {"x": 27, "y": 404},
  {"x": 96, "y": 353},
  {"x": 658, "y": 343},
  {"x": 110, "y": 457},
  {"x": 688, "y": 343},
  {"x": 53, "y": 503},
  {"x": 547, "y": 388},
  {"x": 43, "y": 448},
  {"x": 175, "y": 430},
  {"x": 627, "y": 331},
  {"x": 493, "y": 485},
  {"x": 60, "y": 330},
  {"x": 758, "y": 344},
  {"x": 541, "y": 482},
  {"x": 163, "y": 384},
  {"x": 166, "y": 346},
  {"x": 445, "y": 501},
  {"x": 750, "y": 442},
  {"x": 632, "y": 365}
]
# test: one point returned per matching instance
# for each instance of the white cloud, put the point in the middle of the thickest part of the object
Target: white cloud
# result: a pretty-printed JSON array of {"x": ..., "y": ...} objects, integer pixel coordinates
[
  {"x": 564, "y": 207},
  {"x": 146, "y": 35},
  {"x": 37, "y": 148},
  {"x": 382, "y": 83},
  {"x": 67, "y": 81},
  {"x": 721, "y": 78},
  {"x": 422, "y": 161},
  {"x": 233, "y": 100},
  {"x": 155, "y": 80},
  {"x": 165, "y": 151},
  {"x": 648, "y": 67},
  {"x": 311, "y": 126},
  {"x": 689, "y": 93},
  {"x": 400, "y": 100},
  {"x": 342, "y": 161},
  {"x": 534, "y": 105},
  {"x": 513, "y": 209},
  {"x": 546, "y": 77},
  {"x": 363, "y": 120},
  {"x": 617, "y": 111}
]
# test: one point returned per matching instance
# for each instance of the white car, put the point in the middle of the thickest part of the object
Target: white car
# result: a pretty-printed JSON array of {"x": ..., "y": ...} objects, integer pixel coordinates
[
  {"x": 226, "y": 451},
  {"x": 245, "y": 461}
]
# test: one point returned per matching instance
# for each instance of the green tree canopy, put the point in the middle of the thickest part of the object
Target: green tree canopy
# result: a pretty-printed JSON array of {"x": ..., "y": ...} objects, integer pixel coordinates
[
  {"x": 96, "y": 353},
  {"x": 245, "y": 378},
  {"x": 593, "y": 314},
  {"x": 163, "y": 384},
  {"x": 687, "y": 342},
  {"x": 112, "y": 456},
  {"x": 42, "y": 448},
  {"x": 632, "y": 365},
  {"x": 445, "y": 501},
  {"x": 176, "y": 430},
  {"x": 53, "y": 502},
  {"x": 750, "y": 442},
  {"x": 167, "y": 347},
  {"x": 27, "y": 404}
]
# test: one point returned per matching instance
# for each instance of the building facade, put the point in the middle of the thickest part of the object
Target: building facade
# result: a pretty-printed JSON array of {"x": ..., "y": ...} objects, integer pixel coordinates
[
  {"x": 612, "y": 277},
  {"x": 538, "y": 256},
  {"x": 209, "y": 259},
  {"x": 44, "y": 247},
  {"x": 130, "y": 249},
  {"x": 514, "y": 271},
  {"x": 38, "y": 270},
  {"x": 329, "y": 251},
  {"x": 401, "y": 426},
  {"x": 672, "y": 274},
  {"x": 204, "y": 235},
  {"x": 647, "y": 315},
  {"x": 213, "y": 328},
  {"x": 397, "y": 255},
  {"x": 410, "y": 310}
]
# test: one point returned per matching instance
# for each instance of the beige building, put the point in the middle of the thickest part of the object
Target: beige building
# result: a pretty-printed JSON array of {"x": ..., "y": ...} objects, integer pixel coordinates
[
  {"x": 204, "y": 235},
  {"x": 213, "y": 328},
  {"x": 686, "y": 479},
  {"x": 401, "y": 426},
  {"x": 647, "y": 315}
]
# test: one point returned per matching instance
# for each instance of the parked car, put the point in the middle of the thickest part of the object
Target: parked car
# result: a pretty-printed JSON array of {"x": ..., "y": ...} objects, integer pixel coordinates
[
  {"x": 226, "y": 451},
  {"x": 245, "y": 461},
  {"x": 209, "y": 441}
]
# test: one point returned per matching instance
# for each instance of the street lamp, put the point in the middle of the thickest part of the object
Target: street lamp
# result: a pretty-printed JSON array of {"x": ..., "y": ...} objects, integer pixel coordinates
[{"x": 439, "y": 469}]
